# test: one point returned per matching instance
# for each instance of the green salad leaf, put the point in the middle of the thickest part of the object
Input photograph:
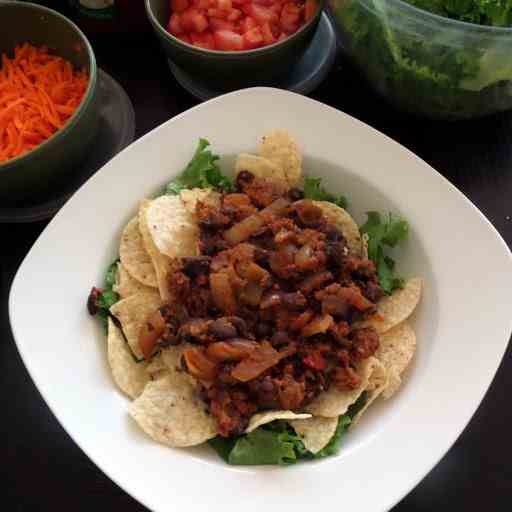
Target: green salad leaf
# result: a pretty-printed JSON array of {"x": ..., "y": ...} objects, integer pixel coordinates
[
  {"x": 434, "y": 73},
  {"x": 277, "y": 442},
  {"x": 333, "y": 446},
  {"x": 314, "y": 190},
  {"x": 274, "y": 443},
  {"x": 383, "y": 232},
  {"x": 202, "y": 172},
  {"x": 108, "y": 297},
  {"x": 497, "y": 13}
]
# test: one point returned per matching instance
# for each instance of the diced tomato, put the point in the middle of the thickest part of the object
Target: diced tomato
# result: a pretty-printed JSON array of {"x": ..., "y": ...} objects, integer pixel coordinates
[
  {"x": 225, "y": 5},
  {"x": 310, "y": 9},
  {"x": 209, "y": 40},
  {"x": 185, "y": 38},
  {"x": 234, "y": 15},
  {"x": 266, "y": 3},
  {"x": 253, "y": 38},
  {"x": 290, "y": 18},
  {"x": 218, "y": 24},
  {"x": 179, "y": 5},
  {"x": 234, "y": 25},
  {"x": 193, "y": 21},
  {"x": 228, "y": 40},
  {"x": 213, "y": 12},
  {"x": 247, "y": 24},
  {"x": 276, "y": 8},
  {"x": 202, "y": 5},
  {"x": 174, "y": 26},
  {"x": 203, "y": 40},
  {"x": 268, "y": 36},
  {"x": 260, "y": 14}
]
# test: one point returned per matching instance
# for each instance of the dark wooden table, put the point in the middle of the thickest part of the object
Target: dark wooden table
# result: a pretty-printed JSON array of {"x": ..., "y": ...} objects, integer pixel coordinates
[{"x": 43, "y": 469}]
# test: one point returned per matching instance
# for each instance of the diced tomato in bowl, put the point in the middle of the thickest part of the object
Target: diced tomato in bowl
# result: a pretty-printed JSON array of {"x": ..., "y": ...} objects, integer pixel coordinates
[
  {"x": 237, "y": 25},
  {"x": 231, "y": 44}
]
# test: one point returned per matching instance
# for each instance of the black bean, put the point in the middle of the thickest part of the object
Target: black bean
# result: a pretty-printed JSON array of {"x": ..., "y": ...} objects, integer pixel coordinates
[{"x": 222, "y": 329}]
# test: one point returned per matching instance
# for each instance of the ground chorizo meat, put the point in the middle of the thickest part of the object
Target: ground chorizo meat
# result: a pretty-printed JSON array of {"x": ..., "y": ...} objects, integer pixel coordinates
[{"x": 272, "y": 318}]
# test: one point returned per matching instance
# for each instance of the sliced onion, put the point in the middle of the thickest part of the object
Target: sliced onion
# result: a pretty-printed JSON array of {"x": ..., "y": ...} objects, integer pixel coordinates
[
  {"x": 199, "y": 365},
  {"x": 150, "y": 332},
  {"x": 278, "y": 207},
  {"x": 222, "y": 292},
  {"x": 314, "y": 281},
  {"x": 232, "y": 350},
  {"x": 244, "y": 229},
  {"x": 319, "y": 325},
  {"x": 251, "y": 294},
  {"x": 262, "y": 358},
  {"x": 252, "y": 224}
]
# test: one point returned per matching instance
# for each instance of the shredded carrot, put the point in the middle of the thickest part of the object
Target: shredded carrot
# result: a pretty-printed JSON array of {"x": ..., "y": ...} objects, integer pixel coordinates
[{"x": 39, "y": 92}]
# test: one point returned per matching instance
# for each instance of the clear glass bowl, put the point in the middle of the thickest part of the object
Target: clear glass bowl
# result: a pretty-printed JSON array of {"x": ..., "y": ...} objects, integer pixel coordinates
[{"x": 427, "y": 64}]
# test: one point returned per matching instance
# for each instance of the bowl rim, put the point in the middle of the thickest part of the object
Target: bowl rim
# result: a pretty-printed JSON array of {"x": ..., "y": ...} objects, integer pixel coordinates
[
  {"x": 460, "y": 25},
  {"x": 86, "y": 100},
  {"x": 231, "y": 54}
]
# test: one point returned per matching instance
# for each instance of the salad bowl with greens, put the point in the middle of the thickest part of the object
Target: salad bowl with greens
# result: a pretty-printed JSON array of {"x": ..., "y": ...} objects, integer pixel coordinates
[{"x": 438, "y": 58}]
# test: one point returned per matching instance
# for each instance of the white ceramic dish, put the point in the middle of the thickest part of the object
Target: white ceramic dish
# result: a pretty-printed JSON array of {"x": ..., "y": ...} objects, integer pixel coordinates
[{"x": 463, "y": 323}]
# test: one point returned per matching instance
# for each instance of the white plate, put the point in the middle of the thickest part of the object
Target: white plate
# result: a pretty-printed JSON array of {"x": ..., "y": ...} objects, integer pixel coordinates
[{"x": 463, "y": 323}]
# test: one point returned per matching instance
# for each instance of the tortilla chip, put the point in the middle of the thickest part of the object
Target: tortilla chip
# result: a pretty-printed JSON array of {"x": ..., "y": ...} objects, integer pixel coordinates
[
  {"x": 162, "y": 264},
  {"x": 172, "y": 227},
  {"x": 342, "y": 220},
  {"x": 333, "y": 402},
  {"x": 132, "y": 313},
  {"x": 192, "y": 196},
  {"x": 131, "y": 377},
  {"x": 397, "y": 307},
  {"x": 268, "y": 416},
  {"x": 280, "y": 148},
  {"x": 134, "y": 256},
  {"x": 171, "y": 412},
  {"x": 397, "y": 347},
  {"x": 316, "y": 432},
  {"x": 260, "y": 167},
  {"x": 126, "y": 285},
  {"x": 156, "y": 367},
  {"x": 377, "y": 384},
  {"x": 171, "y": 357}
]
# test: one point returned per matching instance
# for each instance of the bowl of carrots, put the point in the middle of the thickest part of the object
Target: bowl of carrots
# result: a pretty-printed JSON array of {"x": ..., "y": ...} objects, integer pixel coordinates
[
  {"x": 230, "y": 44},
  {"x": 48, "y": 100}
]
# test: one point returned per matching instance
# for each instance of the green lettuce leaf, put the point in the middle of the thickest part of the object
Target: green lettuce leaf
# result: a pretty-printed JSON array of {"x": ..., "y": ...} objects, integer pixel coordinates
[
  {"x": 274, "y": 443},
  {"x": 277, "y": 442},
  {"x": 385, "y": 232},
  {"x": 202, "y": 172},
  {"x": 314, "y": 190},
  {"x": 108, "y": 297}
]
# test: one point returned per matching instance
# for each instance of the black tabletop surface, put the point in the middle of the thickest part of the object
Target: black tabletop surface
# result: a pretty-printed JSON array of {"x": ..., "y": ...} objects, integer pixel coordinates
[{"x": 43, "y": 469}]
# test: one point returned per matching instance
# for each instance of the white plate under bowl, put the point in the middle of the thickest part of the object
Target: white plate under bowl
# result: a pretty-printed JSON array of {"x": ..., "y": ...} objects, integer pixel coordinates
[{"x": 463, "y": 323}]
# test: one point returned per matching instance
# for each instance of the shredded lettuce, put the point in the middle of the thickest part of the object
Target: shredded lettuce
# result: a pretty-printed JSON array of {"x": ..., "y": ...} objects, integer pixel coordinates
[
  {"x": 383, "y": 232},
  {"x": 202, "y": 172},
  {"x": 277, "y": 442},
  {"x": 314, "y": 190}
]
